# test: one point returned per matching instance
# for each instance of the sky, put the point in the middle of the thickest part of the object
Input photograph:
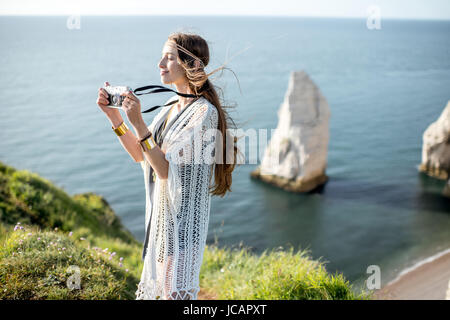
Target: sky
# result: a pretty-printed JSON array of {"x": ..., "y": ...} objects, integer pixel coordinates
[{"x": 398, "y": 9}]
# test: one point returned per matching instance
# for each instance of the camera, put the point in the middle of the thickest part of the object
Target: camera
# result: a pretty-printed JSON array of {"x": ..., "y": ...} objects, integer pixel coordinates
[{"x": 114, "y": 95}]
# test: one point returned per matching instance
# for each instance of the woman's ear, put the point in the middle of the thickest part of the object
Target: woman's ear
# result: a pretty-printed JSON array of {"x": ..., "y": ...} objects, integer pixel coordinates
[{"x": 197, "y": 64}]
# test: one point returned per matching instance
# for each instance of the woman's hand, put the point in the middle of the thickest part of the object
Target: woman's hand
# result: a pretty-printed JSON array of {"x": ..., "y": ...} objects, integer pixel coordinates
[
  {"x": 102, "y": 102},
  {"x": 132, "y": 107}
]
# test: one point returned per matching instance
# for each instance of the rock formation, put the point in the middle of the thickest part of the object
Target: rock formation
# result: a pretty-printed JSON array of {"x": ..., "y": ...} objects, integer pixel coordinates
[
  {"x": 436, "y": 149},
  {"x": 296, "y": 156}
]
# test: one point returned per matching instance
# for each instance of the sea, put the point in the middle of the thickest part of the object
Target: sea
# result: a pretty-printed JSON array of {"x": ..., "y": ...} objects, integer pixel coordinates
[{"x": 384, "y": 87}]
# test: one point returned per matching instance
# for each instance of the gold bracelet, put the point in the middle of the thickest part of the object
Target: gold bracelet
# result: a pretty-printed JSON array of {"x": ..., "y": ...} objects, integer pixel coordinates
[
  {"x": 121, "y": 130},
  {"x": 148, "y": 144}
]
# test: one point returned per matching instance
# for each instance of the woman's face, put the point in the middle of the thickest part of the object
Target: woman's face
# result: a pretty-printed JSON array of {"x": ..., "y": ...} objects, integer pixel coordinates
[{"x": 170, "y": 70}]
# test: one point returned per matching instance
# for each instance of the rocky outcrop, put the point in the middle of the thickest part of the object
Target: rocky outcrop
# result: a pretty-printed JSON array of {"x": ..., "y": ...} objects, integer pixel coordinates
[
  {"x": 296, "y": 156},
  {"x": 436, "y": 149}
]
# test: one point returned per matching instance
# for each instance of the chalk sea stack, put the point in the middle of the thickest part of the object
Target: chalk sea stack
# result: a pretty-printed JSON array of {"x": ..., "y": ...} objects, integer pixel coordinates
[
  {"x": 436, "y": 149},
  {"x": 296, "y": 156}
]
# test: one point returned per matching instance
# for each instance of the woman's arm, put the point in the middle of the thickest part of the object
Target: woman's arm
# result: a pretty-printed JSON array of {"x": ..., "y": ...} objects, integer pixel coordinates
[
  {"x": 127, "y": 140},
  {"x": 132, "y": 107},
  {"x": 155, "y": 156}
]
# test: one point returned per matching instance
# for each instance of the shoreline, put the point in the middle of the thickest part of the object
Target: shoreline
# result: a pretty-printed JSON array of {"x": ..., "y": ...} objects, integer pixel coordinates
[{"x": 429, "y": 279}]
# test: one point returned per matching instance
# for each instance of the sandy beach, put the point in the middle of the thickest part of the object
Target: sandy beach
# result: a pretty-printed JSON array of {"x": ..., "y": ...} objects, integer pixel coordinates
[{"x": 427, "y": 280}]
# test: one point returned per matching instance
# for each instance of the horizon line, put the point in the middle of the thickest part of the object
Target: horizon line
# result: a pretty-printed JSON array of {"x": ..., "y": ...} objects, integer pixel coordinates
[{"x": 210, "y": 15}]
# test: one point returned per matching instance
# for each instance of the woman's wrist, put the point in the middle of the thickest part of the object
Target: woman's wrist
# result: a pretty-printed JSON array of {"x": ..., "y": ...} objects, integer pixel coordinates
[
  {"x": 141, "y": 130},
  {"x": 115, "y": 119}
]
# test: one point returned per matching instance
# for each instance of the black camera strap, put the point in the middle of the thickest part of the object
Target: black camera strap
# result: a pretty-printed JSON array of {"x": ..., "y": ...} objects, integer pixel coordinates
[{"x": 157, "y": 89}]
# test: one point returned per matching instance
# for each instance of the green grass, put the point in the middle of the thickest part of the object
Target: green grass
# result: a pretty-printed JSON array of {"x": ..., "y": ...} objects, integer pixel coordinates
[
  {"x": 273, "y": 275},
  {"x": 38, "y": 264},
  {"x": 34, "y": 265}
]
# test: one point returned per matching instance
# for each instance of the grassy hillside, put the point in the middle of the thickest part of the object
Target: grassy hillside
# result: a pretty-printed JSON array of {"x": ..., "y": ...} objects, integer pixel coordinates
[
  {"x": 51, "y": 265},
  {"x": 52, "y": 242}
]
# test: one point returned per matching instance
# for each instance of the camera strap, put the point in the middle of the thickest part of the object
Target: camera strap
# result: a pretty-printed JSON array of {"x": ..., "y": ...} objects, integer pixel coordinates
[{"x": 157, "y": 89}]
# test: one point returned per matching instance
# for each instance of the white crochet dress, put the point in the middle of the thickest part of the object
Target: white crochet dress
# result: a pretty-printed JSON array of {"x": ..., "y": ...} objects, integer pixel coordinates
[{"x": 178, "y": 208}]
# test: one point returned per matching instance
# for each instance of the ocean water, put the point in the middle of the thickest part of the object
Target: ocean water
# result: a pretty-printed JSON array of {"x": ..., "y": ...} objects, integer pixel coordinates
[{"x": 384, "y": 88}]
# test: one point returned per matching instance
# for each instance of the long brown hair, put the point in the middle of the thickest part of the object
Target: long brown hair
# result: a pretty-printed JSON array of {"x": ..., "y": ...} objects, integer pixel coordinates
[{"x": 193, "y": 61}]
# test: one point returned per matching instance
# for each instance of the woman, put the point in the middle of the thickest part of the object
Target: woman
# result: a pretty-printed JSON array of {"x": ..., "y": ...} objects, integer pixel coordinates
[{"x": 179, "y": 156}]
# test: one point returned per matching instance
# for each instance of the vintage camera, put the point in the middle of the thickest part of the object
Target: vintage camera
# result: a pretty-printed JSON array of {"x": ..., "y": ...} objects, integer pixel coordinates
[{"x": 114, "y": 95}]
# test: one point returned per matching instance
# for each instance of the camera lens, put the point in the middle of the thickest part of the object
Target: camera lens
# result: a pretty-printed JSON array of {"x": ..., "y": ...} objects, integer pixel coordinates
[{"x": 115, "y": 100}]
